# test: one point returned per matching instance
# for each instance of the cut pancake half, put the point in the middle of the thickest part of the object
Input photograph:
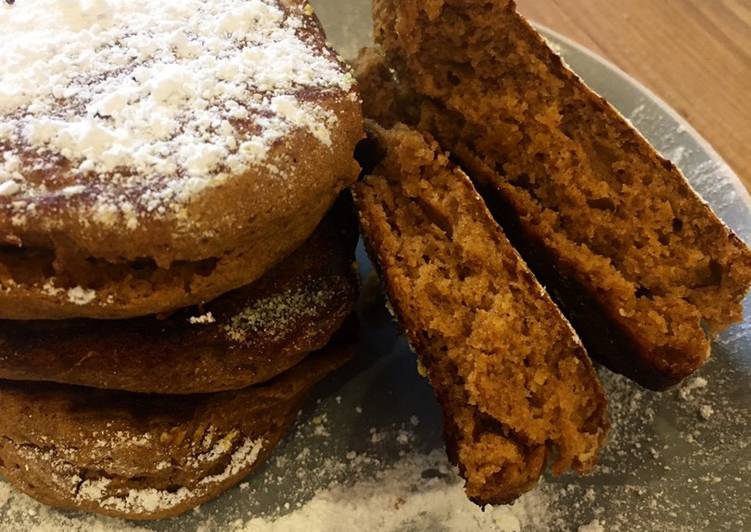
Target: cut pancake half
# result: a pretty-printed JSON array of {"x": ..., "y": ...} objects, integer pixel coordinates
[
  {"x": 638, "y": 262},
  {"x": 515, "y": 384}
]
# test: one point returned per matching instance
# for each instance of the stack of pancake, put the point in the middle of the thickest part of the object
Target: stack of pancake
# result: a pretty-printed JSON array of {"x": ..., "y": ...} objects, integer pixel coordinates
[{"x": 175, "y": 270}]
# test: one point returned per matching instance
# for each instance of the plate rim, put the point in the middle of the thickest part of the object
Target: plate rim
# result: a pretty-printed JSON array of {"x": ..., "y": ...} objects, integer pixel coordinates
[{"x": 743, "y": 193}]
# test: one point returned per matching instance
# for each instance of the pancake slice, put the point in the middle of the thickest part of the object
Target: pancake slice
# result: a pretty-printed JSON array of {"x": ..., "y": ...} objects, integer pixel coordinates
[
  {"x": 640, "y": 264},
  {"x": 514, "y": 382}
]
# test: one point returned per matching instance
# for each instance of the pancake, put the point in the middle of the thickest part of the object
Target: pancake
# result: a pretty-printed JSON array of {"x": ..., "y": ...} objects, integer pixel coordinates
[
  {"x": 242, "y": 338},
  {"x": 640, "y": 264},
  {"x": 514, "y": 382},
  {"x": 146, "y": 456},
  {"x": 154, "y": 155},
  {"x": 384, "y": 99}
]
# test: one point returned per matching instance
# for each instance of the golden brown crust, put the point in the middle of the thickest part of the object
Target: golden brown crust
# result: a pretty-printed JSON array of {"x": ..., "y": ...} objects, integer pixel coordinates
[
  {"x": 145, "y": 456},
  {"x": 222, "y": 238},
  {"x": 248, "y": 336},
  {"x": 510, "y": 374},
  {"x": 135, "y": 285},
  {"x": 618, "y": 221}
]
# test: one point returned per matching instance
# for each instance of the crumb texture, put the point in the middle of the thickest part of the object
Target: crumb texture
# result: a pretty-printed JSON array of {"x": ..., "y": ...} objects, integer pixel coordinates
[
  {"x": 513, "y": 380},
  {"x": 584, "y": 185}
]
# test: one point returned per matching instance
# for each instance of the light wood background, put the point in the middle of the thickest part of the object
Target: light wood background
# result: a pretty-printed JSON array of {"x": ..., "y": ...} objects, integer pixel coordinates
[{"x": 695, "y": 54}]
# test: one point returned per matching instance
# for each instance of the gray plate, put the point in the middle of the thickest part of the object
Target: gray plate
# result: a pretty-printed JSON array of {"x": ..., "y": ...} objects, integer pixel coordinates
[{"x": 676, "y": 461}]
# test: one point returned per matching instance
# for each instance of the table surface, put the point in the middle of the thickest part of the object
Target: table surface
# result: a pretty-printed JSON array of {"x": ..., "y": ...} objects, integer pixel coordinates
[{"x": 694, "y": 54}]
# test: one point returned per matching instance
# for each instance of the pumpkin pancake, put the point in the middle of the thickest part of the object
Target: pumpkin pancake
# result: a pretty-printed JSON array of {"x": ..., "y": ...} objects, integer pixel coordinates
[
  {"x": 638, "y": 262},
  {"x": 166, "y": 153},
  {"x": 147, "y": 456},
  {"x": 514, "y": 382},
  {"x": 242, "y": 338}
]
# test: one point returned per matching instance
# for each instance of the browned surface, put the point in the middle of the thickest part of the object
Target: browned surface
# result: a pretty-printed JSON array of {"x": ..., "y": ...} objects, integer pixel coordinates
[
  {"x": 695, "y": 54},
  {"x": 177, "y": 255},
  {"x": 259, "y": 331},
  {"x": 133, "y": 288},
  {"x": 54, "y": 437}
]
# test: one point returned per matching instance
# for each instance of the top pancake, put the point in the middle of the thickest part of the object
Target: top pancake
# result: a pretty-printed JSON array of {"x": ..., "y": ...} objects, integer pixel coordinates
[{"x": 162, "y": 135}]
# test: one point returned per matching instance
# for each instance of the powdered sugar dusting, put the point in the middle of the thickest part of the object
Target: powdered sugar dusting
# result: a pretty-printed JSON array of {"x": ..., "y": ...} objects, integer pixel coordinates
[
  {"x": 203, "y": 319},
  {"x": 151, "y": 103},
  {"x": 320, "y": 485},
  {"x": 419, "y": 492},
  {"x": 659, "y": 471},
  {"x": 594, "y": 526},
  {"x": 402, "y": 498},
  {"x": 151, "y": 500},
  {"x": 81, "y": 296},
  {"x": 275, "y": 313},
  {"x": 107, "y": 493},
  {"x": 5, "y": 492},
  {"x": 673, "y": 460},
  {"x": 25, "y": 514},
  {"x": 9, "y": 188}
]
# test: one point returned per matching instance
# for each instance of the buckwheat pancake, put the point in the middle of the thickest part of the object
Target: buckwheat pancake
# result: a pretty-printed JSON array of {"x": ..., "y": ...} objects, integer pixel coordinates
[
  {"x": 242, "y": 338},
  {"x": 154, "y": 155},
  {"x": 644, "y": 269},
  {"x": 146, "y": 456}
]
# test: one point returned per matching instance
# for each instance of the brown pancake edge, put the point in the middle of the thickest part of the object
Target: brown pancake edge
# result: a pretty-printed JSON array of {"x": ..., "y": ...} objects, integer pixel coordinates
[
  {"x": 240, "y": 339},
  {"x": 147, "y": 457},
  {"x": 123, "y": 246}
]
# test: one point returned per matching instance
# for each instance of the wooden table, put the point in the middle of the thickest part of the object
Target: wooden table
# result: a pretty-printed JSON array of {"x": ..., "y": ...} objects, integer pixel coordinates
[{"x": 695, "y": 54}]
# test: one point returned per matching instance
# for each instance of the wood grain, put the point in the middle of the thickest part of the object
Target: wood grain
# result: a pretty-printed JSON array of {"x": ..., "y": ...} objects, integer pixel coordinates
[{"x": 695, "y": 54}]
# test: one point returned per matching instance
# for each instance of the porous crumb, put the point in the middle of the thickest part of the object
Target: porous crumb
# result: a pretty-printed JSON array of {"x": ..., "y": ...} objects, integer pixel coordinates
[
  {"x": 471, "y": 309},
  {"x": 581, "y": 192}
]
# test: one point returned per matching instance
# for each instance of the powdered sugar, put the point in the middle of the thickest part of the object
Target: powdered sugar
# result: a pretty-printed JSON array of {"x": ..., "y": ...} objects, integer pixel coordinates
[
  {"x": 594, "y": 526},
  {"x": 81, "y": 296},
  {"x": 660, "y": 470},
  {"x": 107, "y": 493},
  {"x": 402, "y": 498},
  {"x": 664, "y": 457},
  {"x": 244, "y": 457},
  {"x": 275, "y": 313},
  {"x": 203, "y": 319},
  {"x": 706, "y": 412},
  {"x": 154, "y": 102},
  {"x": 329, "y": 475},
  {"x": 419, "y": 492},
  {"x": 5, "y": 492},
  {"x": 696, "y": 383},
  {"x": 150, "y": 500},
  {"x": 9, "y": 188}
]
